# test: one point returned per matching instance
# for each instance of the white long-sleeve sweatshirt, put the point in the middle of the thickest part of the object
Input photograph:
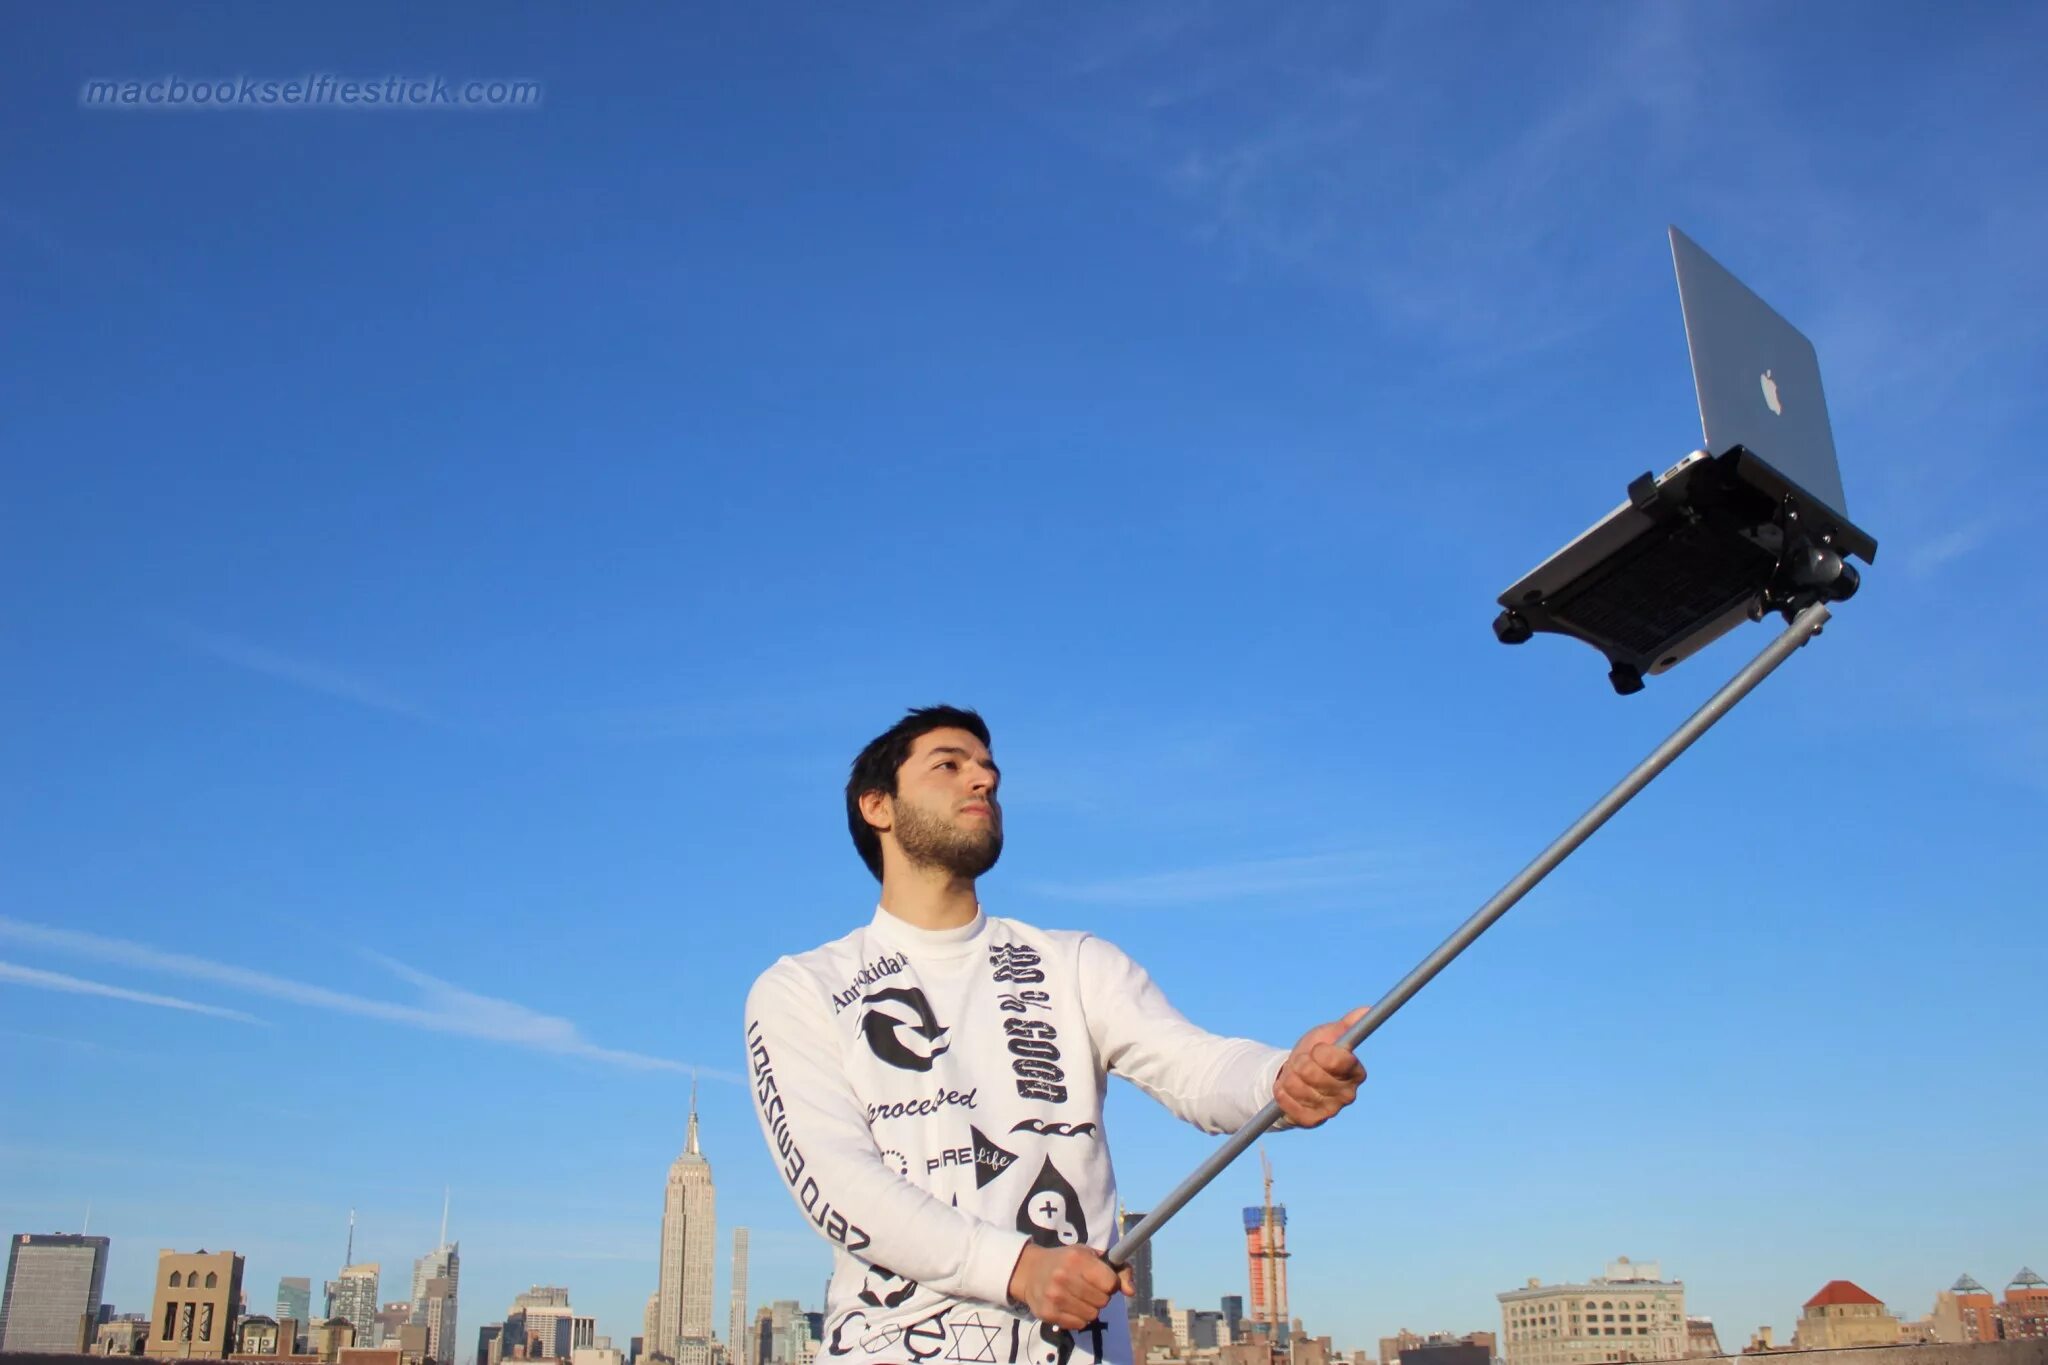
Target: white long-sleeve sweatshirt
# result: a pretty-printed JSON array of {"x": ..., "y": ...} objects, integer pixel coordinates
[{"x": 934, "y": 1101}]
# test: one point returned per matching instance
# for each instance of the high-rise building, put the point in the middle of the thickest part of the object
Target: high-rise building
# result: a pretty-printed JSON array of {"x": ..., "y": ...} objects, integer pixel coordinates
[
  {"x": 295, "y": 1300},
  {"x": 193, "y": 1309},
  {"x": 52, "y": 1300},
  {"x": 736, "y": 1324},
  {"x": 487, "y": 1342},
  {"x": 689, "y": 1248},
  {"x": 1233, "y": 1312},
  {"x": 1265, "y": 1249},
  {"x": 790, "y": 1332},
  {"x": 1141, "y": 1264},
  {"x": 436, "y": 1317},
  {"x": 352, "y": 1297},
  {"x": 1631, "y": 1313},
  {"x": 542, "y": 1321},
  {"x": 436, "y": 1311}
]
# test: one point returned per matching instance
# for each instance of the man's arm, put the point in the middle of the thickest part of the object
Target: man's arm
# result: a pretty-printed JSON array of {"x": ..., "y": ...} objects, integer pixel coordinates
[
  {"x": 1215, "y": 1083},
  {"x": 819, "y": 1140}
]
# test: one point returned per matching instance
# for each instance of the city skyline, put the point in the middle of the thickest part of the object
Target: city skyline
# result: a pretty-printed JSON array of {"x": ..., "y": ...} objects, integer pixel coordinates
[
  {"x": 1532, "y": 1319},
  {"x": 1975, "y": 1306},
  {"x": 455, "y": 557}
]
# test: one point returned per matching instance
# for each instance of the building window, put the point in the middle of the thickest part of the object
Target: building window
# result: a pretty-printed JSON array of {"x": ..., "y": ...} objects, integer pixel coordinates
[
  {"x": 213, "y": 1280},
  {"x": 177, "y": 1280},
  {"x": 170, "y": 1319}
]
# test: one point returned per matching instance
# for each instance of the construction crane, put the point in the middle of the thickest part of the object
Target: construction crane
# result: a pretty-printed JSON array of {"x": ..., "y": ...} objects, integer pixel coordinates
[{"x": 1271, "y": 1254}]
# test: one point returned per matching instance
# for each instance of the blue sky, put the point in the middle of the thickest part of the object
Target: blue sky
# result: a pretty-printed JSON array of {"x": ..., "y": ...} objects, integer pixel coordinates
[{"x": 451, "y": 557}]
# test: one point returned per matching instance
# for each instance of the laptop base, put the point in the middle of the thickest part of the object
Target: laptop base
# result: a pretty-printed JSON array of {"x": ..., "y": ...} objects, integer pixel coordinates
[{"x": 1713, "y": 542}]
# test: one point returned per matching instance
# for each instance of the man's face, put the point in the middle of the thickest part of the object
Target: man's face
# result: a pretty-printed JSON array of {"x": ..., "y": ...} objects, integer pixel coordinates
[{"x": 945, "y": 813}]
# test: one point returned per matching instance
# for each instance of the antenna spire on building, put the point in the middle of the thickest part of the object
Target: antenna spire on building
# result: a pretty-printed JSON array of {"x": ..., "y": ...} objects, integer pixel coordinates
[
  {"x": 86, "y": 1231},
  {"x": 690, "y": 1144},
  {"x": 350, "y": 1259},
  {"x": 444, "y": 1215}
]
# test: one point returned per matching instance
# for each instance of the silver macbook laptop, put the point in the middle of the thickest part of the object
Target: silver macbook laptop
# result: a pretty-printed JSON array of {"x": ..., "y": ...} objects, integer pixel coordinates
[
  {"x": 1756, "y": 521},
  {"x": 1757, "y": 377}
]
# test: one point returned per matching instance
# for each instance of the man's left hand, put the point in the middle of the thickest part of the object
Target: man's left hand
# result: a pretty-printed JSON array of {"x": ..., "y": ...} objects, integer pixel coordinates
[{"x": 1319, "y": 1077}]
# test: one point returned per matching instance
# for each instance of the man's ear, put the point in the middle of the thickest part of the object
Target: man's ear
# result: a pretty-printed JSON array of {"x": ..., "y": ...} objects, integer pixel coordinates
[{"x": 878, "y": 809}]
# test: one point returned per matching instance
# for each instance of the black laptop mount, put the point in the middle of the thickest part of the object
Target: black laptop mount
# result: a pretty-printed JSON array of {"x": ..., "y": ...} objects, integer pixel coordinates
[{"x": 1727, "y": 533}]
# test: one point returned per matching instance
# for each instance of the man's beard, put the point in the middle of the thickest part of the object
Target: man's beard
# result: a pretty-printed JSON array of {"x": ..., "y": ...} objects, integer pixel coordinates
[{"x": 929, "y": 841}]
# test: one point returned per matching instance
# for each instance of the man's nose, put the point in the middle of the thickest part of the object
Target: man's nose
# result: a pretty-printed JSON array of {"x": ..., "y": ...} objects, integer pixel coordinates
[{"x": 981, "y": 782}]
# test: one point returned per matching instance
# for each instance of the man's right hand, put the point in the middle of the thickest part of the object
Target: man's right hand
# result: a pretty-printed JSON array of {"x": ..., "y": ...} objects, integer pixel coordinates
[{"x": 1068, "y": 1286}]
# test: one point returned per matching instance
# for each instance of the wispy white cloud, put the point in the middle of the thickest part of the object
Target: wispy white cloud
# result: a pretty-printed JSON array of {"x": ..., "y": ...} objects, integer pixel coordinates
[
  {"x": 1476, "y": 205},
  {"x": 1261, "y": 878},
  {"x": 444, "y": 1008},
  {"x": 1930, "y": 555},
  {"x": 76, "y": 985},
  {"x": 82, "y": 1045},
  {"x": 303, "y": 673}
]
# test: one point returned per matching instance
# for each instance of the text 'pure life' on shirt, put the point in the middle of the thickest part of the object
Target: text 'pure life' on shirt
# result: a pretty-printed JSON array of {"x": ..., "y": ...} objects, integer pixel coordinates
[{"x": 933, "y": 1099}]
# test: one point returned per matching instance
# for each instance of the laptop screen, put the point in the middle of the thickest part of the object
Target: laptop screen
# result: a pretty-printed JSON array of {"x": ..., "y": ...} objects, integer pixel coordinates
[{"x": 1757, "y": 377}]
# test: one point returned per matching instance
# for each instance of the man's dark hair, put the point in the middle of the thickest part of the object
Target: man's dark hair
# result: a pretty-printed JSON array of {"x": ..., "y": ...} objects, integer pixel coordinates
[{"x": 874, "y": 769}]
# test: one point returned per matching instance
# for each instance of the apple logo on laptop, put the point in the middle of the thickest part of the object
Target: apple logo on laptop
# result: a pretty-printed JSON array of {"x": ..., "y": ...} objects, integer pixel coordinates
[{"x": 1771, "y": 395}]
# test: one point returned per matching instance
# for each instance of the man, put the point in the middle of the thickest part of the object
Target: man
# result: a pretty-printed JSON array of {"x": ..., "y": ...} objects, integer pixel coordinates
[{"x": 931, "y": 1084}]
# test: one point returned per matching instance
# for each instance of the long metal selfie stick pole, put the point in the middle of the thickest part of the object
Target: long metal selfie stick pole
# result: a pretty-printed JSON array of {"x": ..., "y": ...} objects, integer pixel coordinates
[{"x": 1804, "y": 627}]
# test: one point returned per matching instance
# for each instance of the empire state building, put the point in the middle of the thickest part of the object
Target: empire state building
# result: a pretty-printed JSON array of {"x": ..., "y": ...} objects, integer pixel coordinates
[{"x": 689, "y": 1246}]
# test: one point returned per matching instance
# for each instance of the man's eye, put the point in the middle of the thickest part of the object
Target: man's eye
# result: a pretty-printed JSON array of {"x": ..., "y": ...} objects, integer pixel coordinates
[{"x": 949, "y": 763}]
